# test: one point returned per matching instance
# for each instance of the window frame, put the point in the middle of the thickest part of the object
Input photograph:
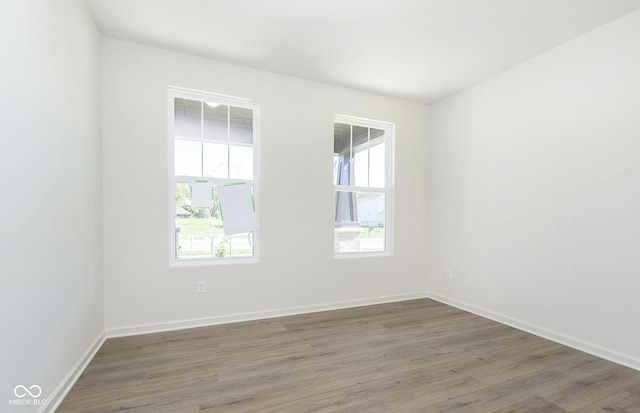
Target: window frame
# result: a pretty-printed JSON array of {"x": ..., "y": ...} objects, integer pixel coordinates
[
  {"x": 388, "y": 189},
  {"x": 183, "y": 93}
]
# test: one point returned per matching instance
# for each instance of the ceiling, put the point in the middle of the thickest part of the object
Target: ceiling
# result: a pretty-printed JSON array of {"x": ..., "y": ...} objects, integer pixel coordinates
[{"x": 420, "y": 50}]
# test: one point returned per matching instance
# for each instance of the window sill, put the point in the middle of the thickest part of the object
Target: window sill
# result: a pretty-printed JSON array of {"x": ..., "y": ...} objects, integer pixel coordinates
[
  {"x": 205, "y": 262},
  {"x": 362, "y": 255}
]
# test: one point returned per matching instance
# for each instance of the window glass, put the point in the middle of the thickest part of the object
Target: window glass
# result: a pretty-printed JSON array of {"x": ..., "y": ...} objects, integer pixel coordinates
[
  {"x": 212, "y": 145},
  {"x": 215, "y": 158},
  {"x": 187, "y": 118},
  {"x": 215, "y": 122},
  {"x": 240, "y": 162},
  {"x": 241, "y": 125},
  {"x": 360, "y": 161},
  {"x": 361, "y": 167},
  {"x": 188, "y": 158},
  {"x": 377, "y": 165},
  {"x": 360, "y": 222},
  {"x": 342, "y": 152}
]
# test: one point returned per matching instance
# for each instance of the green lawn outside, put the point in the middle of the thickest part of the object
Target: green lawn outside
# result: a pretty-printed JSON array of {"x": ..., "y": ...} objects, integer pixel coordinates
[
  {"x": 374, "y": 233},
  {"x": 199, "y": 227}
]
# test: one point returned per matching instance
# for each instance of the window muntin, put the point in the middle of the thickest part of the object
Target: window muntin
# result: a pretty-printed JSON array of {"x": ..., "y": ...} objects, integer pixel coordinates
[
  {"x": 213, "y": 142},
  {"x": 362, "y": 186}
]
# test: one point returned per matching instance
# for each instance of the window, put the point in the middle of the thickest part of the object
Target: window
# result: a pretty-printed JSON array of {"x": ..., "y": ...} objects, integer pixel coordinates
[
  {"x": 362, "y": 165},
  {"x": 213, "y": 145}
]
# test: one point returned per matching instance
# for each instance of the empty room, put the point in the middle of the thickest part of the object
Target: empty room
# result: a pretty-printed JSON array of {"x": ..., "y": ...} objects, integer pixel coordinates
[{"x": 304, "y": 206}]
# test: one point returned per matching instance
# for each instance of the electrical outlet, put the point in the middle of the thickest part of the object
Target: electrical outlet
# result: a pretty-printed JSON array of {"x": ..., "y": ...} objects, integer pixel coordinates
[
  {"x": 201, "y": 287},
  {"x": 449, "y": 274}
]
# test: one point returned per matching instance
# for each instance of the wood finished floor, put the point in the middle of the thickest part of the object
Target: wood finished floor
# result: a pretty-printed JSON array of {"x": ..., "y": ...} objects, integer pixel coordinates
[{"x": 412, "y": 356}]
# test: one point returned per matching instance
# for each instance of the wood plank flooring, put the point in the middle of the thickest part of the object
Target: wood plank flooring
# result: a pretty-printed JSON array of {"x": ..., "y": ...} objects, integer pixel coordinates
[{"x": 412, "y": 356}]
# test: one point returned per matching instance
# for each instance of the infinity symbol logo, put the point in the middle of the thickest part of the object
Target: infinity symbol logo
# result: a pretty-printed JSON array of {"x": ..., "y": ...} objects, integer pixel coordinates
[{"x": 33, "y": 391}]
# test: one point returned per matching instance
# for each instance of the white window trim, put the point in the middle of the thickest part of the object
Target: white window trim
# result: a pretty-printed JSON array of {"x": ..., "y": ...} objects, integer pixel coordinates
[
  {"x": 178, "y": 92},
  {"x": 389, "y": 129}
]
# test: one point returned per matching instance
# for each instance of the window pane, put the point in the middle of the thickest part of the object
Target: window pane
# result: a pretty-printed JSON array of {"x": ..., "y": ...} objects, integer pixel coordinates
[
  {"x": 341, "y": 138},
  {"x": 361, "y": 155},
  {"x": 241, "y": 125},
  {"x": 216, "y": 160},
  {"x": 371, "y": 217},
  {"x": 375, "y": 133},
  {"x": 188, "y": 158},
  {"x": 240, "y": 245},
  {"x": 342, "y": 153},
  {"x": 187, "y": 120},
  {"x": 361, "y": 167},
  {"x": 240, "y": 162},
  {"x": 360, "y": 137},
  {"x": 215, "y": 124},
  {"x": 377, "y": 165},
  {"x": 345, "y": 209},
  {"x": 360, "y": 222},
  {"x": 198, "y": 230}
]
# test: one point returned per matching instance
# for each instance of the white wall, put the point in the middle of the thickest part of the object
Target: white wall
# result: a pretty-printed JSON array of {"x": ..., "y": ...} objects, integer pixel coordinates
[
  {"x": 534, "y": 194},
  {"x": 51, "y": 309},
  {"x": 297, "y": 269}
]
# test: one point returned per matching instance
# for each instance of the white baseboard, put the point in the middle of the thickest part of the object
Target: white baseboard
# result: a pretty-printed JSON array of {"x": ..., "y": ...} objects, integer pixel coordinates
[
  {"x": 260, "y": 315},
  {"x": 541, "y": 332},
  {"x": 58, "y": 394}
]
